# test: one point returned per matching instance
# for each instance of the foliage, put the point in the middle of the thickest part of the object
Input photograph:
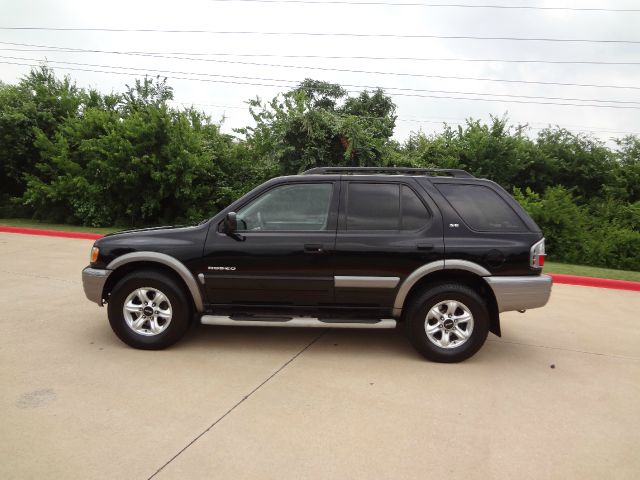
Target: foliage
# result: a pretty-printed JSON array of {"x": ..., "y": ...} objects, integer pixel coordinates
[
  {"x": 78, "y": 156},
  {"x": 318, "y": 124},
  {"x": 592, "y": 234}
]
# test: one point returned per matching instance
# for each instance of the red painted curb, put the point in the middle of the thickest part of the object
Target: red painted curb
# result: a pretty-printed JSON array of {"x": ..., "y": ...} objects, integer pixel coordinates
[
  {"x": 50, "y": 233},
  {"x": 596, "y": 282}
]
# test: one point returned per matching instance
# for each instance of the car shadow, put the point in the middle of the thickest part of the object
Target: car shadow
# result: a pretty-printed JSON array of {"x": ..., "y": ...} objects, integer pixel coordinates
[{"x": 325, "y": 340}]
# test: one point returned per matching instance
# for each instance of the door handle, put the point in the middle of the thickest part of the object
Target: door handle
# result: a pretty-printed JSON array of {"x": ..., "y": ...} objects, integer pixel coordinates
[
  {"x": 425, "y": 246},
  {"x": 313, "y": 248}
]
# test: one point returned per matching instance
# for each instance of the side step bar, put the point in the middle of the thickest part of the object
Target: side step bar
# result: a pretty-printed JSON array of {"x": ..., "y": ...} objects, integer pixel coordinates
[{"x": 297, "y": 322}]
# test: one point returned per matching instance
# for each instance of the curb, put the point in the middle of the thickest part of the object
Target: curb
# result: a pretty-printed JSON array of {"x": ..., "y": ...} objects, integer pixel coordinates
[
  {"x": 596, "y": 282},
  {"x": 557, "y": 277},
  {"x": 50, "y": 233}
]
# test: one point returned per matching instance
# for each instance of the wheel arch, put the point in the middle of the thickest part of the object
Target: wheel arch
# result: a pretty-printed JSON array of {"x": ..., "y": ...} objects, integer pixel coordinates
[
  {"x": 458, "y": 271},
  {"x": 130, "y": 262}
]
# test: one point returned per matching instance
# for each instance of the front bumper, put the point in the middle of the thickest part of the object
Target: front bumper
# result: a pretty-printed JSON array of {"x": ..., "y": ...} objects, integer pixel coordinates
[
  {"x": 520, "y": 293},
  {"x": 93, "y": 280}
]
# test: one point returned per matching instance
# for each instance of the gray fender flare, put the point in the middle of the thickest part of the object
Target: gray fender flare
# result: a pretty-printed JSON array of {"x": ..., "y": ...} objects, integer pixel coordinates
[
  {"x": 421, "y": 272},
  {"x": 163, "y": 259}
]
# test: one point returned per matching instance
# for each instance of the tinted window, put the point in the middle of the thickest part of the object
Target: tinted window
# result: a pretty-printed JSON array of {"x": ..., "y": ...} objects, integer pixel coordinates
[
  {"x": 373, "y": 206},
  {"x": 288, "y": 207},
  {"x": 482, "y": 208},
  {"x": 414, "y": 214}
]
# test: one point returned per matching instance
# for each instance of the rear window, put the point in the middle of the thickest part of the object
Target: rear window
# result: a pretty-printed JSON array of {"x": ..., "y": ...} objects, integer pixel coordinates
[{"x": 482, "y": 208}]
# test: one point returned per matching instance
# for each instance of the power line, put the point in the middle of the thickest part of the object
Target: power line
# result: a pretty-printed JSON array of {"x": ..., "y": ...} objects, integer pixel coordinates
[
  {"x": 246, "y": 107},
  {"x": 344, "y": 57},
  {"x": 345, "y": 70},
  {"x": 413, "y": 95},
  {"x": 437, "y": 5},
  {"x": 324, "y": 34},
  {"x": 459, "y": 121},
  {"x": 523, "y": 126},
  {"x": 402, "y": 89}
]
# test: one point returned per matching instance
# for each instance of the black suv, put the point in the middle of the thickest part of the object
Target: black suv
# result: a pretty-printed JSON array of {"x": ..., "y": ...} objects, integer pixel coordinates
[{"x": 439, "y": 252}]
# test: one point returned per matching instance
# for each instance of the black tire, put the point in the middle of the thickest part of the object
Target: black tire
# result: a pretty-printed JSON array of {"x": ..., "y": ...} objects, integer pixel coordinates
[
  {"x": 180, "y": 308},
  {"x": 421, "y": 305}
]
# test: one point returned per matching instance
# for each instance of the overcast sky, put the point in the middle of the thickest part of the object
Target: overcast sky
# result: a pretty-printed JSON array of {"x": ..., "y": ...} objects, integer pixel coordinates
[{"x": 414, "y": 113}]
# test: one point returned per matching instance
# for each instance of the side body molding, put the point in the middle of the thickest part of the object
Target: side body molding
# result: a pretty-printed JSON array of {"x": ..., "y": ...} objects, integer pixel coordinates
[
  {"x": 176, "y": 265},
  {"x": 428, "y": 268}
]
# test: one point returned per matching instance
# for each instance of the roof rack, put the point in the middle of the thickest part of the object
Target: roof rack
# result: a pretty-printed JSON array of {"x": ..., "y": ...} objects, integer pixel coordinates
[{"x": 451, "y": 172}]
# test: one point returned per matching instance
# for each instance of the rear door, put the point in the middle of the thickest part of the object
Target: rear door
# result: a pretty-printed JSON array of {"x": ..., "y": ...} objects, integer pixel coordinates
[{"x": 386, "y": 229}]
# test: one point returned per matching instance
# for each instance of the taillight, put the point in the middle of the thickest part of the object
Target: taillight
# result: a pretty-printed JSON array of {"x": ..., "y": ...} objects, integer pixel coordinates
[{"x": 536, "y": 258}]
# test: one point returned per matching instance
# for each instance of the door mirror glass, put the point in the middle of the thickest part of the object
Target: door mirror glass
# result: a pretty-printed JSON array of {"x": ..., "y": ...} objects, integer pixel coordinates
[{"x": 230, "y": 223}]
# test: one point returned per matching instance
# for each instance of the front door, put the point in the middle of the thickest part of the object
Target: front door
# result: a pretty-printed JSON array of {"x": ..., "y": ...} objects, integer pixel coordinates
[
  {"x": 387, "y": 229},
  {"x": 289, "y": 233}
]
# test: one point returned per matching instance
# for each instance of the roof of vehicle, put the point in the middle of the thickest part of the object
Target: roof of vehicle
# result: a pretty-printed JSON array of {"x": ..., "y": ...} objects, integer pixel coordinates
[{"x": 433, "y": 172}]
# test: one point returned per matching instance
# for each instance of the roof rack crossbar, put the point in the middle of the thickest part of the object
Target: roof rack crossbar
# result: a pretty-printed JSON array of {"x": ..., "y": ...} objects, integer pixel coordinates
[{"x": 452, "y": 172}]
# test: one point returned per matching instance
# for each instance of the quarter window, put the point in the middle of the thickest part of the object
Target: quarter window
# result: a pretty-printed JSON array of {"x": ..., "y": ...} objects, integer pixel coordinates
[
  {"x": 288, "y": 207},
  {"x": 482, "y": 208},
  {"x": 414, "y": 214}
]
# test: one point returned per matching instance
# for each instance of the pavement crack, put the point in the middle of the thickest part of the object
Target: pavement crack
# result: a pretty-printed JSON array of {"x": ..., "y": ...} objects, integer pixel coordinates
[
  {"x": 565, "y": 349},
  {"x": 240, "y": 402}
]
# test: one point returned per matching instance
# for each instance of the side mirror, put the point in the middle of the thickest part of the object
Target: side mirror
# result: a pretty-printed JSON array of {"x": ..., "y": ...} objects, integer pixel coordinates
[
  {"x": 230, "y": 227},
  {"x": 230, "y": 223}
]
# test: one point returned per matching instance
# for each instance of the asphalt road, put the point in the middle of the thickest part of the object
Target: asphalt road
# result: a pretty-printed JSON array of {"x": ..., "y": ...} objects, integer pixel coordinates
[{"x": 558, "y": 396}]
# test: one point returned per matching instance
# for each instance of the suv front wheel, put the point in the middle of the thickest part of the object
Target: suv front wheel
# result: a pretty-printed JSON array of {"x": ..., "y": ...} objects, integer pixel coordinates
[
  {"x": 448, "y": 322},
  {"x": 149, "y": 310}
]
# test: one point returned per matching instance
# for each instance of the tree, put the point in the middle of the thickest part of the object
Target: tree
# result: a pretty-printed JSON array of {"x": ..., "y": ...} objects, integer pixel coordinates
[
  {"x": 136, "y": 162},
  {"x": 38, "y": 103},
  {"x": 319, "y": 124}
]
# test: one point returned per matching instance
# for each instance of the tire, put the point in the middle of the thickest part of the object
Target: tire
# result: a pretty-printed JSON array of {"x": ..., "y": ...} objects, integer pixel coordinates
[
  {"x": 142, "y": 323},
  {"x": 430, "y": 311}
]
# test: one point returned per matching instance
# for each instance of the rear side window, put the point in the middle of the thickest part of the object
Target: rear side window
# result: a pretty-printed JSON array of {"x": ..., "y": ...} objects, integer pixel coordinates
[
  {"x": 414, "y": 214},
  {"x": 384, "y": 206},
  {"x": 373, "y": 206},
  {"x": 482, "y": 208}
]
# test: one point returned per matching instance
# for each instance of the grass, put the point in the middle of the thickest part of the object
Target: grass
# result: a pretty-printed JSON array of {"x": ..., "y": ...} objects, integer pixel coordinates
[
  {"x": 549, "y": 267},
  {"x": 28, "y": 223},
  {"x": 585, "y": 271}
]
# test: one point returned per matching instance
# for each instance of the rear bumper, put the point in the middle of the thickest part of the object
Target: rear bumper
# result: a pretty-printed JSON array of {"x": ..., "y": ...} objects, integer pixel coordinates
[
  {"x": 93, "y": 280},
  {"x": 520, "y": 293}
]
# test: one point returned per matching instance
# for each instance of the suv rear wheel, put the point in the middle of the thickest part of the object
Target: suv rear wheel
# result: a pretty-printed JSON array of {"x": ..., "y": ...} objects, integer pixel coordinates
[
  {"x": 448, "y": 322},
  {"x": 149, "y": 310}
]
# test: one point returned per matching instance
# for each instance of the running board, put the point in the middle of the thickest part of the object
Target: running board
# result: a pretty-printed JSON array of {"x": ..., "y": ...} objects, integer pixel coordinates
[{"x": 298, "y": 322}]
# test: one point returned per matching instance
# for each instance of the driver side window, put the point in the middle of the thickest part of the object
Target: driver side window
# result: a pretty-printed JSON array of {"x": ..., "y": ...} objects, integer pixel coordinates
[{"x": 300, "y": 206}]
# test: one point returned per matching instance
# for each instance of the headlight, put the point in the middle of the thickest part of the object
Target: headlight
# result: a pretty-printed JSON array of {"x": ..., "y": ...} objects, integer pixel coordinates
[{"x": 95, "y": 251}]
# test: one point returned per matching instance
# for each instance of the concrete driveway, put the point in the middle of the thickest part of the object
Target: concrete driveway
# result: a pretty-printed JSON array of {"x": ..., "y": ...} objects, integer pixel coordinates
[{"x": 557, "y": 397}]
